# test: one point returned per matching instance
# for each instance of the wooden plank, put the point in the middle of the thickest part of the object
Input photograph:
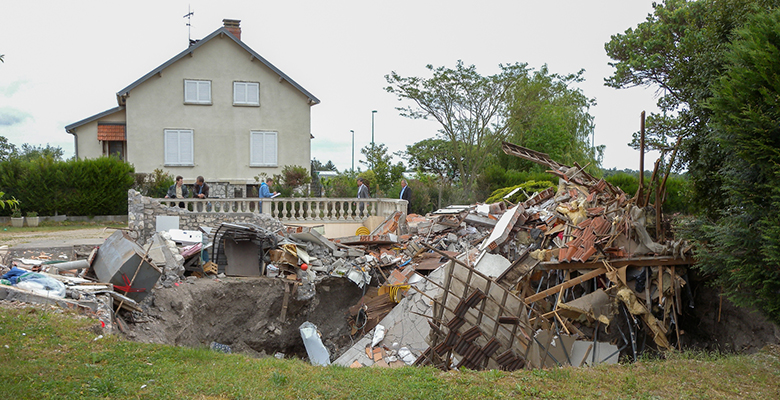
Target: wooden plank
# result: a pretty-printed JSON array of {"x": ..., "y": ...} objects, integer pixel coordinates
[
  {"x": 565, "y": 285},
  {"x": 638, "y": 262},
  {"x": 286, "y": 300}
]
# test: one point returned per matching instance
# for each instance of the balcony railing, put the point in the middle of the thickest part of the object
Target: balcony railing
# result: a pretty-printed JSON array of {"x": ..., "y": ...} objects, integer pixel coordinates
[{"x": 296, "y": 209}]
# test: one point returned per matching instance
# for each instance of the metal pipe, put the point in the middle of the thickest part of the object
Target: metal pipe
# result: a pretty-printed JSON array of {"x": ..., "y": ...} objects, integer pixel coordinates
[{"x": 78, "y": 264}]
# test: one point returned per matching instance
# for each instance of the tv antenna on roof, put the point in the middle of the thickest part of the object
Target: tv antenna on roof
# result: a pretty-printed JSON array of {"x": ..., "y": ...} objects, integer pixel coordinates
[{"x": 189, "y": 15}]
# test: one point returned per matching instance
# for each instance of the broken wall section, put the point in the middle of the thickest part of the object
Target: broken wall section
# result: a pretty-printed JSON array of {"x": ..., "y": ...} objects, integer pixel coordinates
[{"x": 142, "y": 215}]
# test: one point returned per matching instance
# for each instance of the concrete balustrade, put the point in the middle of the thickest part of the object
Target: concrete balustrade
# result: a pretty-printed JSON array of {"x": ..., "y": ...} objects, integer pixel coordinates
[{"x": 297, "y": 209}]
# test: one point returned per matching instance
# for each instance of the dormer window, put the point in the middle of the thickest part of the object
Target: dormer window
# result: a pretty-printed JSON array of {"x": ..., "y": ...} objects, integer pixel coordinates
[
  {"x": 246, "y": 94},
  {"x": 197, "y": 92}
]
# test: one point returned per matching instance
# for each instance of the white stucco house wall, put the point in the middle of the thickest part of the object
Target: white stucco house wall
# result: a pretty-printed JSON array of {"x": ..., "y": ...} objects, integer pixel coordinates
[{"x": 217, "y": 109}]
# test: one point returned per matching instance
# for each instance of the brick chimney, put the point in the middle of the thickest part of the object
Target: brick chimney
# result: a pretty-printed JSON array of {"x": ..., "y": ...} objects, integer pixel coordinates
[{"x": 233, "y": 26}]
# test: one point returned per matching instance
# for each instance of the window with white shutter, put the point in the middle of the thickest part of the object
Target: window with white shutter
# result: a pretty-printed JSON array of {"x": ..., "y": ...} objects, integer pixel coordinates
[
  {"x": 246, "y": 93},
  {"x": 262, "y": 149},
  {"x": 179, "y": 147},
  {"x": 197, "y": 92}
]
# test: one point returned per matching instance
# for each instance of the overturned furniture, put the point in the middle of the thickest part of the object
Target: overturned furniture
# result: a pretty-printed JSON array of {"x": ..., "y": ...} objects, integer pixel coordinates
[{"x": 123, "y": 263}]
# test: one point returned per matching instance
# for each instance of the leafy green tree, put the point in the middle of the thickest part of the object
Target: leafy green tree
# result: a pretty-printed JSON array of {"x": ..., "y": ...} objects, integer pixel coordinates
[
  {"x": 742, "y": 246},
  {"x": 31, "y": 152},
  {"x": 433, "y": 156},
  {"x": 7, "y": 149},
  {"x": 548, "y": 114},
  {"x": 470, "y": 108},
  {"x": 386, "y": 175},
  {"x": 680, "y": 50},
  {"x": 317, "y": 165}
]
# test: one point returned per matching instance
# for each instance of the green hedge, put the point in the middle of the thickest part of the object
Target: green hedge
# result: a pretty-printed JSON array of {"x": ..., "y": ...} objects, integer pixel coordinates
[
  {"x": 74, "y": 187},
  {"x": 528, "y": 189},
  {"x": 678, "y": 196}
]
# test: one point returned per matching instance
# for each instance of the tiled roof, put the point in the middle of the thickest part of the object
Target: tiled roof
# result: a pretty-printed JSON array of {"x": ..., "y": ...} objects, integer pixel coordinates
[{"x": 111, "y": 132}]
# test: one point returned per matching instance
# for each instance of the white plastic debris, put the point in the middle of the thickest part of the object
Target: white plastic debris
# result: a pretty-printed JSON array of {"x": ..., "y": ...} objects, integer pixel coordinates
[
  {"x": 406, "y": 355},
  {"x": 379, "y": 334},
  {"x": 318, "y": 354}
]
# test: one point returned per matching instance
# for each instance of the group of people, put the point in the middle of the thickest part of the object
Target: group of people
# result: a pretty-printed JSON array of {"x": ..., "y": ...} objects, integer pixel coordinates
[
  {"x": 201, "y": 190},
  {"x": 179, "y": 191},
  {"x": 405, "y": 194}
]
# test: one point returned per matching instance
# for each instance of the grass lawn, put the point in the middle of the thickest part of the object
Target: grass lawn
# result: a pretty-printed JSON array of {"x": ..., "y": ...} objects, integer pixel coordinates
[{"x": 47, "y": 354}]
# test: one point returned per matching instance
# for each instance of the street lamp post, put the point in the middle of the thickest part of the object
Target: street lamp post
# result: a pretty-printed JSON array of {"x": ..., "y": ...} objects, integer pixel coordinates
[
  {"x": 353, "y": 149},
  {"x": 372, "y": 137}
]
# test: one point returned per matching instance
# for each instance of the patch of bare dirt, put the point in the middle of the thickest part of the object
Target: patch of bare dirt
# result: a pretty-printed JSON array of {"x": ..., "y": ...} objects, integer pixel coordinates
[
  {"x": 716, "y": 324},
  {"x": 244, "y": 313}
]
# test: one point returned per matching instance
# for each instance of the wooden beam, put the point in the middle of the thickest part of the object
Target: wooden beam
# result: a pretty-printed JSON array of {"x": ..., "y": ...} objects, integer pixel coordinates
[
  {"x": 637, "y": 262},
  {"x": 565, "y": 285}
]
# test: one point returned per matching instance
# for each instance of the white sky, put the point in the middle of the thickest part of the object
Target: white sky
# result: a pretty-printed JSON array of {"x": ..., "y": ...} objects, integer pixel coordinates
[{"x": 65, "y": 60}]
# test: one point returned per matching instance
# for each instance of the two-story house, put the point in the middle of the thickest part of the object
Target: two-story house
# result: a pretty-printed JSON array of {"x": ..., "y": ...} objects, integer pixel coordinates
[{"x": 217, "y": 109}]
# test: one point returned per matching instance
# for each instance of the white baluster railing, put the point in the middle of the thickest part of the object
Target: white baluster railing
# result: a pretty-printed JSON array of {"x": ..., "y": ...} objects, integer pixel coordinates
[{"x": 296, "y": 209}]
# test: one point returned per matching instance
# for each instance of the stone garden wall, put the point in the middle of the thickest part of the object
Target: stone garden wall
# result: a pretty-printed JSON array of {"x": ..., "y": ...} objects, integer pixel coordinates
[{"x": 142, "y": 215}]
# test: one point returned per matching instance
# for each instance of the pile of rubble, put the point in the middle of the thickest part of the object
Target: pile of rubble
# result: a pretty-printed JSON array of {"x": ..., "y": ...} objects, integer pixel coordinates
[{"x": 571, "y": 276}]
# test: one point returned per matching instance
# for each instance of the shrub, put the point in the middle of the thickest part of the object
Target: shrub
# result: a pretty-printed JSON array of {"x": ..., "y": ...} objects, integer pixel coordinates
[
  {"x": 628, "y": 183},
  {"x": 293, "y": 181},
  {"x": 153, "y": 185},
  {"x": 74, "y": 187},
  {"x": 527, "y": 189},
  {"x": 496, "y": 177}
]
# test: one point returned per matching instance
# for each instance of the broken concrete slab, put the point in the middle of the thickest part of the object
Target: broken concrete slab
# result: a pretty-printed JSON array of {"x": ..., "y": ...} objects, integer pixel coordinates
[
  {"x": 550, "y": 350},
  {"x": 356, "y": 353},
  {"x": 478, "y": 220},
  {"x": 503, "y": 228},
  {"x": 492, "y": 265},
  {"x": 314, "y": 237},
  {"x": 585, "y": 352},
  {"x": 10, "y": 293}
]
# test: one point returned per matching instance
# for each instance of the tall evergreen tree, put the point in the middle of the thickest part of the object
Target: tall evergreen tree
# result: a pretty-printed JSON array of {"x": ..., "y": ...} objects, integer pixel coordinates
[{"x": 742, "y": 246}]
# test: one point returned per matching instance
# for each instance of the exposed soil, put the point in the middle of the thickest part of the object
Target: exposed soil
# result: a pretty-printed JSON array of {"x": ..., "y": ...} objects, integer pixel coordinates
[
  {"x": 715, "y": 326},
  {"x": 243, "y": 313}
]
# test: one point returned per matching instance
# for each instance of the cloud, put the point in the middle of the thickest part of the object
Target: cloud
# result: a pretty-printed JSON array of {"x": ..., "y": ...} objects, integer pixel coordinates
[
  {"x": 10, "y": 117},
  {"x": 12, "y": 88}
]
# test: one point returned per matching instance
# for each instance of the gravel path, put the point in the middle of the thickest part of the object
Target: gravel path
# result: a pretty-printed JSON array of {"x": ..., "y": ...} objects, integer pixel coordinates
[{"x": 28, "y": 238}]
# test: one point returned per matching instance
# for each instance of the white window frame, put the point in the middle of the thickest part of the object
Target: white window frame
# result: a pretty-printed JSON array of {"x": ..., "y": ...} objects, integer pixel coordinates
[
  {"x": 246, "y": 86},
  {"x": 267, "y": 138},
  {"x": 184, "y": 140},
  {"x": 202, "y": 93}
]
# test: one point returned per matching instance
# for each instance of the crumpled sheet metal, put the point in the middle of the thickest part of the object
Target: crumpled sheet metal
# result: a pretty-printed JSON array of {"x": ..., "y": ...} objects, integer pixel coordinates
[{"x": 596, "y": 306}]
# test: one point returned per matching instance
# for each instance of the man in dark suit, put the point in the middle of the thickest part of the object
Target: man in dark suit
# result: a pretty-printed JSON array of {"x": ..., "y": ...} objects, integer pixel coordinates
[
  {"x": 406, "y": 194},
  {"x": 362, "y": 193}
]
